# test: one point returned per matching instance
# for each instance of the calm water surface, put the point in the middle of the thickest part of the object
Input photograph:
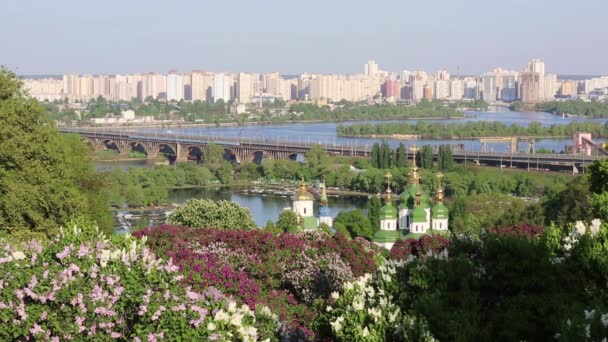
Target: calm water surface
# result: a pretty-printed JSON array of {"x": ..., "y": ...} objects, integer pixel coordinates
[{"x": 325, "y": 133}]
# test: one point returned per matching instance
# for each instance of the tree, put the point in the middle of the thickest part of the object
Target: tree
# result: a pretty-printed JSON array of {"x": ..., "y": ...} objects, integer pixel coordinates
[
  {"x": 598, "y": 176},
  {"x": 445, "y": 161},
  {"x": 213, "y": 153},
  {"x": 317, "y": 161},
  {"x": 376, "y": 157},
  {"x": 341, "y": 229},
  {"x": 425, "y": 157},
  {"x": 287, "y": 222},
  {"x": 401, "y": 156},
  {"x": 204, "y": 213},
  {"x": 355, "y": 223},
  {"x": 373, "y": 212},
  {"x": 45, "y": 177}
]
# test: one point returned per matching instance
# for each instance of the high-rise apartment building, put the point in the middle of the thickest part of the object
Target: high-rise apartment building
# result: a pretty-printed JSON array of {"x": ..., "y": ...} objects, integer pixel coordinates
[
  {"x": 153, "y": 85},
  {"x": 202, "y": 86},
  {"x": 391, "y": 89},
  {"x": 371, "y": 68},
  {"x": 245, "y": 87},
  {"x": 222, "y": 87},
  {"x": 456, "y": 90},
  {"x": 175, "y": 86},
  {"x": 442, "y": 89},
  {"x": 536, "y": 86}
]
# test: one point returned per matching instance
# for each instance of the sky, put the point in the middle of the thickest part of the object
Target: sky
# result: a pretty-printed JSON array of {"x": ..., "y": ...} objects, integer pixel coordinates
[{"x": 292, "y": 37}]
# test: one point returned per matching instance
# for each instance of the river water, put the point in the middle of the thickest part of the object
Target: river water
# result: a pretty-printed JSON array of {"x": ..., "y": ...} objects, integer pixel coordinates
[
  {"x": 325, "y": 132},
  {"x": 264, "y": 208}
]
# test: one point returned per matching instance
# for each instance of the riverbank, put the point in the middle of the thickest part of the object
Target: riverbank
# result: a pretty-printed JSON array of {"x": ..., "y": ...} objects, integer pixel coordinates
[
  {"x": 431, "y": 137},
  {"x": 178, "y": 124}
]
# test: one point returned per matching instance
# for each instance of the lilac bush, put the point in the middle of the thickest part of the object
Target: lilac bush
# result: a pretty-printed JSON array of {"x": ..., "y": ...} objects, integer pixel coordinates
[{"x": 82, "y": 286}]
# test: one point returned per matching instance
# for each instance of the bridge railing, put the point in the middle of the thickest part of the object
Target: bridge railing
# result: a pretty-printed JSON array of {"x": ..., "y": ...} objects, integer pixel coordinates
[{"x": 278, "y": 142}]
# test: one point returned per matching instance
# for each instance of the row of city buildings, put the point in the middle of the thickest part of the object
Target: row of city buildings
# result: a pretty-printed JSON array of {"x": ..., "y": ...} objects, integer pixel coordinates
[{"x": 532, "y": 85}]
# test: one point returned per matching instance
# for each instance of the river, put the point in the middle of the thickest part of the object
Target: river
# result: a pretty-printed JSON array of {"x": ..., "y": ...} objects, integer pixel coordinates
[
  {"x": 325, "y": 132},
  {"x": 264, "y": 208}
]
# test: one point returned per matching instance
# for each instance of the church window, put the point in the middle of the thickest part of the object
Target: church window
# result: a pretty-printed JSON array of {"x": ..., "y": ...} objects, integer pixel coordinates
[
  {"x": 304, "y": 210},
  {"x": 440, "y": 225}
]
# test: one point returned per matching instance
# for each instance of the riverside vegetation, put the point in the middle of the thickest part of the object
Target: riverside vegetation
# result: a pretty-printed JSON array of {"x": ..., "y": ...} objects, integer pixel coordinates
[
  {"x": 473, "y": 129},
  {"x": 279, "y": 111},
  {"x": 576, "y": 107},
  {"x": 63, "y": 278}
]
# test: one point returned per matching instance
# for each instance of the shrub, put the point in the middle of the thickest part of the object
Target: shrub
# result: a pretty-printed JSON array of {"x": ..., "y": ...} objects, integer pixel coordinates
[
  {"x": 204, "y": 213},
  {"x": 83, "y": 286},
  {"x": 287, "y": 272}
]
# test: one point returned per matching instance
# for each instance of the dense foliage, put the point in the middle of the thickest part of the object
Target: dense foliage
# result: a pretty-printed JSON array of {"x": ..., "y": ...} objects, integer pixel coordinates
[
  {"x": 45, "y": 178},
  {"x": 82, "y": 286},
  {"x": 512, "y": 285},
  {"x": 436, "y": 130},
  {"x": 576, "y": 107},
  {"x": 204, "y": 213},
  {"x": 286, "y": 272}
]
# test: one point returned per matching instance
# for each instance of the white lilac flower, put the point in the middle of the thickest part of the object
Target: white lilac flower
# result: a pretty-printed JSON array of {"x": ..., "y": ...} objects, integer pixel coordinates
[
  {"x": 348, "y": 286},
  {"x": 589, "y": 314},
  {"x": 335, "y": 295},
  {"x": 337, "y": 324},
  {"x": 365, "y": 332},
  {"x": 211, "y": 326},
  {"x": 604, "y": 319},
  {"x": 595, "y": 226},
  {"x": 393, "y": 316},
  {"x": 221, "y": 316},
  {"x": 328, "y": 308},
  {"x": 232, "y": 307},
  {"x": 580, "y": 228},
  {"x": 236, "y": 319},
  {"x": 18, "y": 255}
]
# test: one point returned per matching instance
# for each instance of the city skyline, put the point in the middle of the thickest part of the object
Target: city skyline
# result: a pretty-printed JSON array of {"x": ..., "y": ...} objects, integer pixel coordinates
[{"x": 319, "y": 37}]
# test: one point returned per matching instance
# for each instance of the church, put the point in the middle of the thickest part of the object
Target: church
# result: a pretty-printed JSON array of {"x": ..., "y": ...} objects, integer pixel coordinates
[
  {"x": 303, "y": 207},
  {"x": 415, "y": 215}
]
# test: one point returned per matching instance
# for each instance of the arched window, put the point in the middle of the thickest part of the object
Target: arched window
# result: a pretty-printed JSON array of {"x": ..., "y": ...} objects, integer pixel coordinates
[
  {"x": 304, "y": 210},
  {"x": 440, "y": 225}
]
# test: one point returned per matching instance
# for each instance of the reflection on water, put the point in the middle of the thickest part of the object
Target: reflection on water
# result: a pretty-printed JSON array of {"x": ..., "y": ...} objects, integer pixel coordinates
[{"x": 263, "y": 208}]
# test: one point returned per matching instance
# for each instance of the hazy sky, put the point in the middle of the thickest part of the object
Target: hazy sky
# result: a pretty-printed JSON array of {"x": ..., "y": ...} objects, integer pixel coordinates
[{"x": 112, "y": 36}]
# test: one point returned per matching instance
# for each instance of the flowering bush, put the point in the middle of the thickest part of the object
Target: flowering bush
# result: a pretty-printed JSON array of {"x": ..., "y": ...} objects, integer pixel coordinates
[
  {"x": 286, "y": 272},
  {"x": 420, "y": 247},
  {"x": 365, "y": 310},
  {"x": 521, "y": 230},
  {"x": 83, "y": 286}
]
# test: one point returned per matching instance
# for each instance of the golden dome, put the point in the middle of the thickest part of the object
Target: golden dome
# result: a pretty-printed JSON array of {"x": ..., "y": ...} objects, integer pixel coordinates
[{"x": 303, "y": 194}]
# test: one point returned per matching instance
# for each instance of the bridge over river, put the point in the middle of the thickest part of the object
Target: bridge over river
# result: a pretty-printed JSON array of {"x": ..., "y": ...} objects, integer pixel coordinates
[{"x": 182, "y": 147}]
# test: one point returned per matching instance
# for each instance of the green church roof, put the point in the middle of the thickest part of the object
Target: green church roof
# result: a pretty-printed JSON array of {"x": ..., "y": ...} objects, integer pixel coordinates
[
  {"x": 386, "y": 236},
  {"x": 388, "y": 212},
  {"x": 309, "y": 222},
  {"x": 419, "y": 215},
  {"x": 439, "y": 211}
]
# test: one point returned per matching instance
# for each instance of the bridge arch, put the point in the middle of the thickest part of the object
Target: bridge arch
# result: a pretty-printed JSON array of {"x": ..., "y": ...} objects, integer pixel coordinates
[
  {"x": 110, "y": 144},
  {"x": 258, "y": 157},
  {"x": 195, "y": 152},
  {"x": 231, "y": 155},
  {"x": 299, "y": 157},
  {"x": 138, "y": 147}
]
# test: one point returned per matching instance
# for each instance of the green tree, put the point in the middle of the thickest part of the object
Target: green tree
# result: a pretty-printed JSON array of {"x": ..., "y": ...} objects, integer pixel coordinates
[
  {"x": 373, "y": 212},
  {"x": 317, "y": 160},
  {"x": 401, "y": 156},
  {"x": 213, "y": 153},
  {"x": 376, "y": 156},
  {"x": 287, "y": 222},
  {"x": 45, "y": 176},
  {"x": 341, "y": 229},
  {"x": 204, "y": 213},
  {"x": 356, "y": 223},
  {"x": 598, "y": 176},
  {"x": 425, "y": 157}
]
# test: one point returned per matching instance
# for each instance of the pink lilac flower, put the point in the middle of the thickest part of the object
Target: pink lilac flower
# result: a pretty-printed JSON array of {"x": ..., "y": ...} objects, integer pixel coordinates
[
  {"x": 64, "y": 254},
  {"x": 115, "y": 335},
  {"x": 105, "y": 312},
  {"x": 36, "y": 329}
]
